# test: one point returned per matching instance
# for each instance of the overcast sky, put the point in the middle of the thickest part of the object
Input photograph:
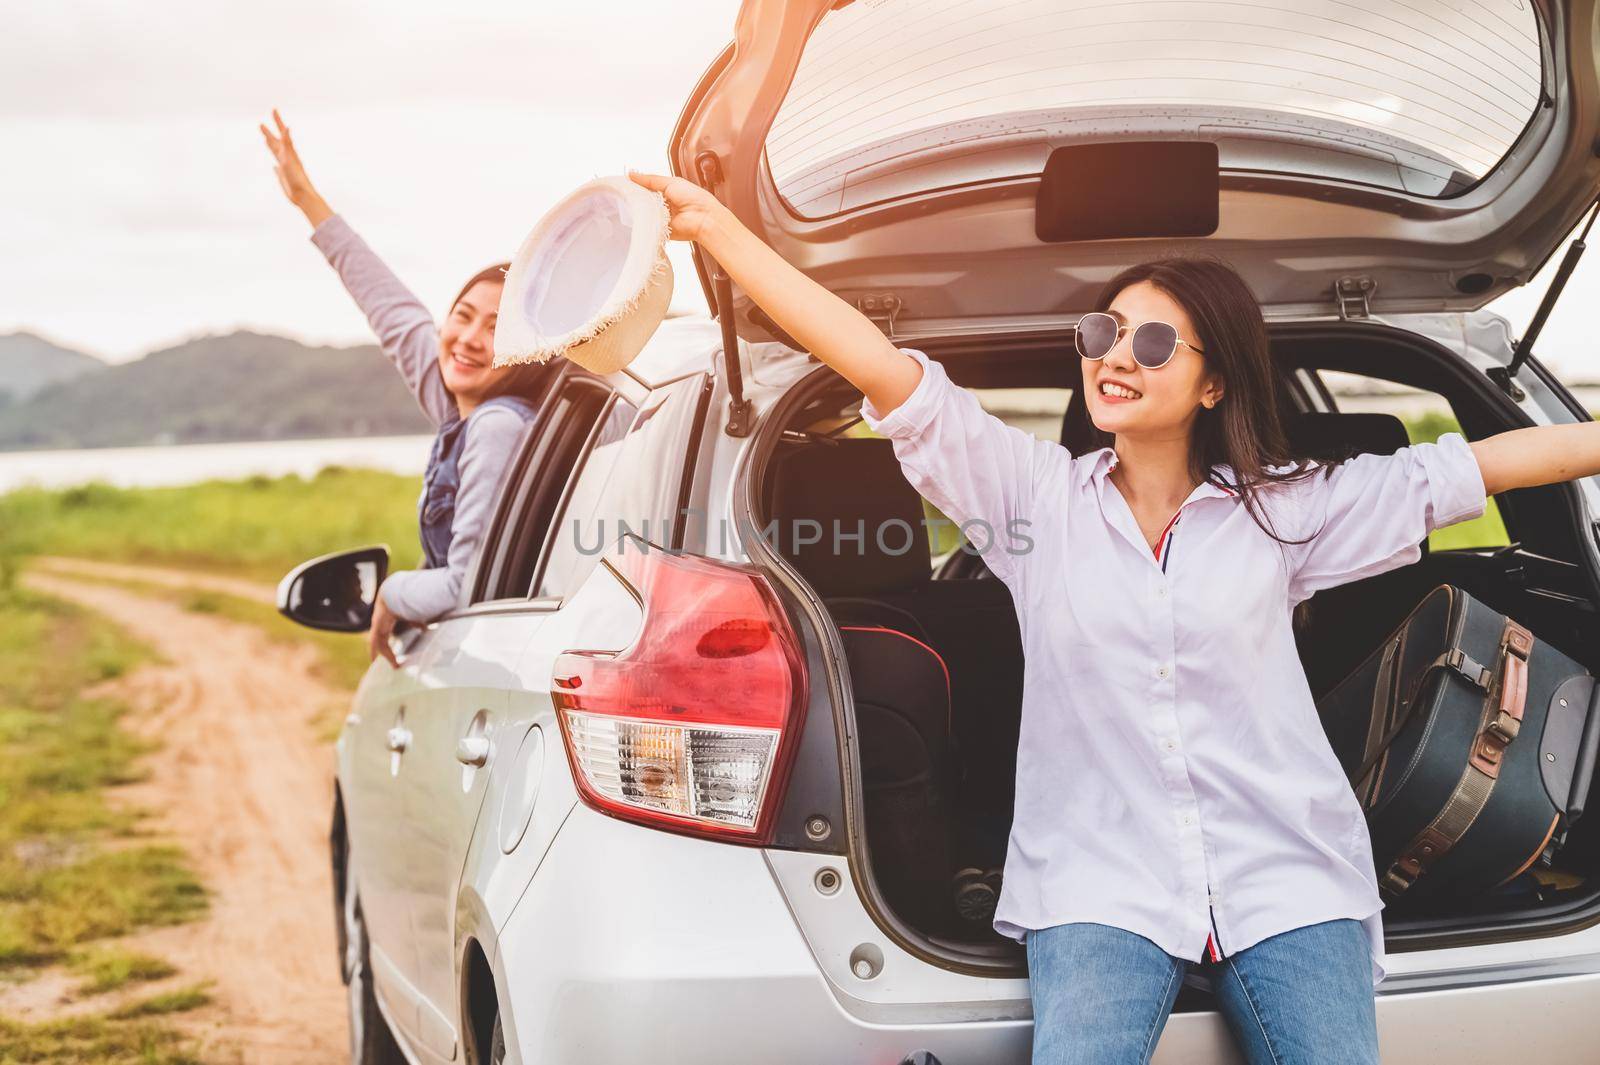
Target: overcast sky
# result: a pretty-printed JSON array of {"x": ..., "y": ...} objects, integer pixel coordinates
[{"x": 138, "y": 206}]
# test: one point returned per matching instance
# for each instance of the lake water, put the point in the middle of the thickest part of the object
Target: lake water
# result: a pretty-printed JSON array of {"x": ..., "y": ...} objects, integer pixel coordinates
[{"x": 188, "y": 463}]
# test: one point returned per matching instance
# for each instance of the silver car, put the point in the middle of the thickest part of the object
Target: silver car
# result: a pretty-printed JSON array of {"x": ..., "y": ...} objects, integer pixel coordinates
[{"x": 646, "y": 794}]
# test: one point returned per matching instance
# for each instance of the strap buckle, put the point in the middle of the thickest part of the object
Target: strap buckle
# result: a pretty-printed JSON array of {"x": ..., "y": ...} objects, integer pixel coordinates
[
  {"x": 1504, "y": 728},
  {"x": 1489, "y": 749},
  {"x": 1473, "y": 673},
  {"x": 1401, "y": 875}
]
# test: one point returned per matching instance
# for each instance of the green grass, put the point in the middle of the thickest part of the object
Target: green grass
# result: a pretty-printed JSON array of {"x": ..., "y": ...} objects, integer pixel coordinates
[
  {"x": 44, "y": 912},
  {"x": 179, "y": 1001},
  {"x": 110, "y": 969},
  {"x": 72, "y": 869},
  {"x": 102, "y": 1040},
  {"x": 259, "y": 527}
]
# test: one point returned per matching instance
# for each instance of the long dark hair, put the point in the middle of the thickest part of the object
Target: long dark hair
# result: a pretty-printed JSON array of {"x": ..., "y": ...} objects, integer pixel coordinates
[
  {"x": 526, "y": 380},
  {"x": 1244, "y": 431}
]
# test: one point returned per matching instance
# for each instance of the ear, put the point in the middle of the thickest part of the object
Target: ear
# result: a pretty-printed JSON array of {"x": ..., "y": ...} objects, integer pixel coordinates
[{"x": 1211, "y": 394}]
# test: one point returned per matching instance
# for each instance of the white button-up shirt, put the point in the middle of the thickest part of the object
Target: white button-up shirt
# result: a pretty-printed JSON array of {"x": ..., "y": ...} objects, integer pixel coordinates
[{"x": 1173, "y": 778}]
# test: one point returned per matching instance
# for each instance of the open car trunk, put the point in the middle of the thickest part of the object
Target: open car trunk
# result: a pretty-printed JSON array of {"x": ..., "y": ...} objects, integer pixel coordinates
[
  {"x": 934, "y": 652},
  {"x": 932, "y": 163},
  {"x": 980, "y": 171}
]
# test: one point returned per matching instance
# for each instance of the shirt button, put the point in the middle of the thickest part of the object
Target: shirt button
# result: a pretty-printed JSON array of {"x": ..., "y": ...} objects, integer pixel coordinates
[
  {"x": 1188, "y": 819},
  {"x": 1161, "y": 671},
  {"x": 1171, "y": 745},
  {"x": 1161, "y": 591}
]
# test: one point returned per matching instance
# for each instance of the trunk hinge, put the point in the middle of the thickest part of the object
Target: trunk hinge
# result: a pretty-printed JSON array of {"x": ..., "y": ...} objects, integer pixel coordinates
[
  {"x": 1505, "y": 376},
  {"x": 882, "y": 308},
  {"x": 1354, "y": 296},
  {"x": 710, "y": 168}
]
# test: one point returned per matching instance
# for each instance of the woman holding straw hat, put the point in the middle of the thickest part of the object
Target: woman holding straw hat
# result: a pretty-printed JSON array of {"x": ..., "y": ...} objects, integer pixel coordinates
[{"x": 480, "y": 410}]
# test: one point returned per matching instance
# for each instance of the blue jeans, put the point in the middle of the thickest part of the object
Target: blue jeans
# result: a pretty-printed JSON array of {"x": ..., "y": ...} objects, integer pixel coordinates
[{"x": 1102, "y": 995}]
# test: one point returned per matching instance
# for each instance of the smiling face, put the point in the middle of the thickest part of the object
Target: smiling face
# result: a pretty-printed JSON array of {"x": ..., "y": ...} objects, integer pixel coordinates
[
  {"x": 466, "y": 343},
  {"x": 1124, "y": 398}
]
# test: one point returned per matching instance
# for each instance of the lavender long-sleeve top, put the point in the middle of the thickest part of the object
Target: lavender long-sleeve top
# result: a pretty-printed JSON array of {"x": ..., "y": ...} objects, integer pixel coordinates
[
  {"x": 1173, "y": 778},
  {"x": 408, "y": 336}
]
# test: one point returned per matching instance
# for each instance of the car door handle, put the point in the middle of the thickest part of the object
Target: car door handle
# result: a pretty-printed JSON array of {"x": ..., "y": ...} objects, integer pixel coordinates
[
  {"x": 472, "y": 750},
  {"x": 399, "y": 739}
]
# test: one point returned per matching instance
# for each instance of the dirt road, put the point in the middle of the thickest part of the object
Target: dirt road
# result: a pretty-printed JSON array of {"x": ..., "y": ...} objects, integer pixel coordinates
[{"x": 241, "y": 782}]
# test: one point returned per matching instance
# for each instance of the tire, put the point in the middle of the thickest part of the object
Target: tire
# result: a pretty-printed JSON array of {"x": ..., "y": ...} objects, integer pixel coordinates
[
  {"x": 497, "y": 1043},
  {"x": 371, "y": 1041}
]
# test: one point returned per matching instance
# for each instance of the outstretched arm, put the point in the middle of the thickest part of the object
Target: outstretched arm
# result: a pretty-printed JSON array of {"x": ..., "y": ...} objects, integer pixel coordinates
[
  {"x": 406, "y": 331},
  {"x": 1543, "y": 454},
  {"x": 1370, "y": 513}
]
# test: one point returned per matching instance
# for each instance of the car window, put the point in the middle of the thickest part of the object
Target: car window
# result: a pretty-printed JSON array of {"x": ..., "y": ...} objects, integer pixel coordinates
[
  {"x": 631, "y": 481},
  {"x": 533, "y": 489},
  {"x": 1036, "y": 410},
  {"x": 1039, "y": 411},
  {"x": 1424, "y": 96},
  {"x": 1426, "y": 416}
]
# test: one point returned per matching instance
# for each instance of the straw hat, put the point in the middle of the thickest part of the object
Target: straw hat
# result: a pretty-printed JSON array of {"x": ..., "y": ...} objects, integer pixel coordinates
[{"x": 591, "y": 282}]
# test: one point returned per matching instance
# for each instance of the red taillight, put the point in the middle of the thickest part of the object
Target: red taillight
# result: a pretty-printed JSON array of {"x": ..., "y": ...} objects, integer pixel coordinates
[{"x": 693, "y": 727}]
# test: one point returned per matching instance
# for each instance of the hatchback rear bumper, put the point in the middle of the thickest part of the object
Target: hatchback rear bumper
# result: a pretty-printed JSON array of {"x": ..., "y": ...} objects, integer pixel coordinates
[{"x": 637, "y": 945}]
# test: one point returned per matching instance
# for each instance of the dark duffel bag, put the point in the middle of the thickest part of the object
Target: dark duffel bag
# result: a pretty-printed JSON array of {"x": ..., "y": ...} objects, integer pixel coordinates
[{"x": 1469, "y": 743}]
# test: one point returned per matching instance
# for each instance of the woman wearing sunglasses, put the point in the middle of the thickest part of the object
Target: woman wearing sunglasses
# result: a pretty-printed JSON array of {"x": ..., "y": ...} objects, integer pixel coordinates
[
  {"x": 1177, "y": 801},
  {"x": 479, "y": 410}
]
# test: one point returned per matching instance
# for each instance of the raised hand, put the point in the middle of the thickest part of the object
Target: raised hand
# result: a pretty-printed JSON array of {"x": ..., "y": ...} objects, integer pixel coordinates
[
  {"x": 695, "y": 212},
  {"x": 818, "y": 320},
  {"x": 383, "y": 625},
  {"x": 291, "y": 172}
]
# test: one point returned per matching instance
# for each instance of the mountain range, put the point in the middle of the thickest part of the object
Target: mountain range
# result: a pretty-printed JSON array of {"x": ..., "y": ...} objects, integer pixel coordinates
[
  {"x": 213, "y": 389},
  {"x": 241, "y": 386},
  {"x": 29, "y": 363}
]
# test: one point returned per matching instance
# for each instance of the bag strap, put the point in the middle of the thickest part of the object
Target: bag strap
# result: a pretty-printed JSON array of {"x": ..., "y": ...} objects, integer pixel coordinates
[
  {"x": 1477, "y": 781},
  {"x": 1385, "y": 704},
  {"x": 1457, "y": 662}
]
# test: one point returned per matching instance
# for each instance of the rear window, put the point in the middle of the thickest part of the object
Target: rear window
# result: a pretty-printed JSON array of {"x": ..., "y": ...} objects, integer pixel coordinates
[
  {"x": 628, "y": 484},
  {"x": 895, "y": 97}
]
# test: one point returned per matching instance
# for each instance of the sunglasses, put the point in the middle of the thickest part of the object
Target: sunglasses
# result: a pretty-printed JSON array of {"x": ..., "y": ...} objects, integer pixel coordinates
[{"x": 1154, "y": 343}]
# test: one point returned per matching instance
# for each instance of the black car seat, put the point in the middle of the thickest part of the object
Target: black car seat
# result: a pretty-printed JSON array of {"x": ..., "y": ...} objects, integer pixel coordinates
[
  {"x": 1329, "y": 437},
  {"x": 856, "y": 486}
]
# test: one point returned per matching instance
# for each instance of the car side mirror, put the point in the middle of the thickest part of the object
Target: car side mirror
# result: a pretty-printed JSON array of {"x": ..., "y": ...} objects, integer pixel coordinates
[{"x": 335, "y": 592}]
